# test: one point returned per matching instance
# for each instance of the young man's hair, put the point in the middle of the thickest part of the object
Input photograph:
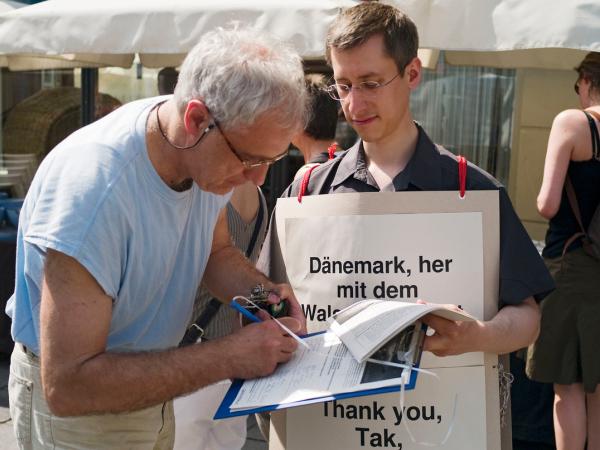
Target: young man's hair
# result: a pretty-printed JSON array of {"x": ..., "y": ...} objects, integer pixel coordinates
[
  {"x": 589, "y": 69},
  {"x": 323, "y": 109},
  {"x": 354, "y": 26}
]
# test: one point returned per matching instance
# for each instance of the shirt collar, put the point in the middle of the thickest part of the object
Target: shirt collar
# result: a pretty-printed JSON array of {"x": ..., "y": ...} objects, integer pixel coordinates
[
  {"x": 423, "y": 170},
  {"x": 353, "y": 164}
]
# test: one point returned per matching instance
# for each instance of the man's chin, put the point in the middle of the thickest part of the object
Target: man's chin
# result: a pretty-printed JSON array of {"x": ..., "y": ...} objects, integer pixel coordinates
[
  {"x": 222, "y": 190},
  {"x": 369, "y": 138}
]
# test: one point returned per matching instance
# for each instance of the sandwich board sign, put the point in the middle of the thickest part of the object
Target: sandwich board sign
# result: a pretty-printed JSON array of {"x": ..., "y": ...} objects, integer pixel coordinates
[{"x": 340, "y": 248}]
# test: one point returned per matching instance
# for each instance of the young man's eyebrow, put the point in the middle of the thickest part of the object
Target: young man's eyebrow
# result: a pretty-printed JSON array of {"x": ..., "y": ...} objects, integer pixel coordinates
[{"x": 366, "y": 76}]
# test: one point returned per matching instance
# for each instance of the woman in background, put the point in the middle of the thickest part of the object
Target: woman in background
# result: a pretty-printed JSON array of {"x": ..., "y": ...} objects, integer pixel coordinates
[{"x": 565, "y": 353}]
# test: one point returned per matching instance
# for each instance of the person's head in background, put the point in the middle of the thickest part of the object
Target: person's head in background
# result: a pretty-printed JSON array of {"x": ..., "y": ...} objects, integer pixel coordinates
[
  {"x": 587, "y": 86},
  {"x": 372, "y": 48},
  {"x": 319, "y": 132},
  {"x": 167, "y": 80}
]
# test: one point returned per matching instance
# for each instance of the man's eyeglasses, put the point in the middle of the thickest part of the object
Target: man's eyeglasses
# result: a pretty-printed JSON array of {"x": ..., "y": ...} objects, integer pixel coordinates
[
  {"x": 247, "y": 163},
  {"x": 340, "y": 91}
]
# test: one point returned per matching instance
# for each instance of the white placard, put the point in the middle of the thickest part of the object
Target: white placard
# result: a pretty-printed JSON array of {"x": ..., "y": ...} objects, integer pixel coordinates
[{"x": 336, "y": 249}]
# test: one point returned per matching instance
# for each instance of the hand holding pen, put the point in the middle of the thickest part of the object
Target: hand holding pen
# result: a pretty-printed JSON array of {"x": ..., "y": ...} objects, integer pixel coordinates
[{"x": 235, "y": 305}]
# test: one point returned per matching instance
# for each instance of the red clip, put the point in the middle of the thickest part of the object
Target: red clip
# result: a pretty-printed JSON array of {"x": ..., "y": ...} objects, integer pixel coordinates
[{"x": 332, "y": 149}]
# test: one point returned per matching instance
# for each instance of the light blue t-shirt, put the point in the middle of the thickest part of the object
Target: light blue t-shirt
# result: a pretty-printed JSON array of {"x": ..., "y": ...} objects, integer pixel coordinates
[{"x": 97, "y": 198}]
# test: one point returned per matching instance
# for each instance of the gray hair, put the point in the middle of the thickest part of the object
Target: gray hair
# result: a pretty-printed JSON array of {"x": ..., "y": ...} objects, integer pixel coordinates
[{"x": 241, "y": 74}]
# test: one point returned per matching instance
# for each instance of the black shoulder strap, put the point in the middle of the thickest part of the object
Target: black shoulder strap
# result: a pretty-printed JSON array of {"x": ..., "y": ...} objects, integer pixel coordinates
[
  {"x": 257, "y": 225},
  {"x": 196, "y": 330},
  {"x": 594, "y": 131},
  {"x": 572, "y": 197}
]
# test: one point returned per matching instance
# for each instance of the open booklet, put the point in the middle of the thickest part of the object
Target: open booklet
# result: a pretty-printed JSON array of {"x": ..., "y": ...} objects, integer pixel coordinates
[
  {"x": 368, "y": 349},
  {"x": 365, "y": 326}
]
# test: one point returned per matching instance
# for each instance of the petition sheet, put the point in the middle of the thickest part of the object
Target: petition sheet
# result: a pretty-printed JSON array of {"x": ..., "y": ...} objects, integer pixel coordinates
[{"x": 325, "y": 368}]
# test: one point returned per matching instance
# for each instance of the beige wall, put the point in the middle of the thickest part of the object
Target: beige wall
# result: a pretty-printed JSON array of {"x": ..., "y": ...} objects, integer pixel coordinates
[{"x": 540, "y": 95}]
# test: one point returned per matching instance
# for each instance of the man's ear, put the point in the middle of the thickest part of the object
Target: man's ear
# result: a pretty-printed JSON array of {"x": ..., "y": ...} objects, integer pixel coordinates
[
  {"x": 413, "y": 70},
  {"x": 195, "y": 117}
]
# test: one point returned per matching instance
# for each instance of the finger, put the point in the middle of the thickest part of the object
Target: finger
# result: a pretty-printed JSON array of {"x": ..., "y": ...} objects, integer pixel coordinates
[
  {"x": 292, "y": 323},
  {"x": 285, "y": 357},
  {"x": 295, "y": 311},
  {"x": 439, "y": 324},
  {"x": 298, "y": 315},
  {"x": 274, "y": 297},
  {"x": 437, "y": 345},
  {"x": 289, "y": 345},
  {"x": 263, "y": 315},
  {"x": 452, "y": 307},
  {"x": 432, "y": 343}
]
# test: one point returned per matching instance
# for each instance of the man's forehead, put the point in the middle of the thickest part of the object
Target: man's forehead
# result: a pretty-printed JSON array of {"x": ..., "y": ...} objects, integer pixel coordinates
[{"x": 357, "y": 65}]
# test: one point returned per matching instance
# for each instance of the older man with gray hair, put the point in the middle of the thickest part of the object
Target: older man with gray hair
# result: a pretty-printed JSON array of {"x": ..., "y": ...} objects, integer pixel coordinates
[{"x": 122, "y": 221}]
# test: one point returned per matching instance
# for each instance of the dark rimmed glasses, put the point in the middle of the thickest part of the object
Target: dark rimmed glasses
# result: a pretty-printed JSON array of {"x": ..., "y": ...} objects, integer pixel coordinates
[
  {"x": 340, "y": 92},
  {"x": 249, "y": 164}
]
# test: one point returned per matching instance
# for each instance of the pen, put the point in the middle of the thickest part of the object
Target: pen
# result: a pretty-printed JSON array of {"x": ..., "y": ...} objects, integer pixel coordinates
[{"x": 243, "y": 311}]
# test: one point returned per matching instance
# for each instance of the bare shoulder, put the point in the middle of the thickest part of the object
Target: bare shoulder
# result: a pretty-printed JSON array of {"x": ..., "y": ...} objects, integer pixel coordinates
[
  {"x": 571, "y": 129},
  {"x": 571, "y": 118}
]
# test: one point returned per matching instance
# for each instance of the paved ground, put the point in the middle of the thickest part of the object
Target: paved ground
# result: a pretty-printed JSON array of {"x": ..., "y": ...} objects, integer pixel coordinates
[
  {"x": 7, "y": 438},
  {"x": 254, "y": 441}
]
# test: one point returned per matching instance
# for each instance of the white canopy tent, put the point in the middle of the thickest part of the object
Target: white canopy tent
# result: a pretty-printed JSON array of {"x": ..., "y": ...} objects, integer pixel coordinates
[
  {"x": 92, "y": 33},
  {"x": 111, "y": 32},
  {"x": 99, "y": 33}
]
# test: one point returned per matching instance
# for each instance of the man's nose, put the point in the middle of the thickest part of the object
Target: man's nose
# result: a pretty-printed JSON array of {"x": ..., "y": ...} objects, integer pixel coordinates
[
  {"x": 257, "y": 174},
  {"x": 354, "y": 102}
]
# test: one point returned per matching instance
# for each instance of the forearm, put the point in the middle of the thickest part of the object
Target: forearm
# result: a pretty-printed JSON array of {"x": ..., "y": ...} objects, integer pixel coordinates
[
  {"x": 118, "y": 382},
  {"x": 230, "y": 273},
  {"x": 512, "y": 328}
]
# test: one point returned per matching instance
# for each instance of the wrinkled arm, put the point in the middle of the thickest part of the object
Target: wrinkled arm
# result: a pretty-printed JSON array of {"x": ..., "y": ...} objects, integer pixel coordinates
[
  {"x": 229, "y": 273},
  {"x": 512, "y": 328},
  {"x": 80, "y": 377}
]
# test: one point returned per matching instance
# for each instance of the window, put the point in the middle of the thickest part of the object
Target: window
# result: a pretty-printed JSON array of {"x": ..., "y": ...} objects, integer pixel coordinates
[{"x": 468, "y": 110}]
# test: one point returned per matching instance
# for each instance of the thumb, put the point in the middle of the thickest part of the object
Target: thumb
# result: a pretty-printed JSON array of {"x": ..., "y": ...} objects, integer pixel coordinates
[{"x": 293, "y": 324}]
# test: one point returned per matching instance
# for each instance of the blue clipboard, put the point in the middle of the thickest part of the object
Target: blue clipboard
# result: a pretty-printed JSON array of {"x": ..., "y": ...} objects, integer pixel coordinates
[{"x": 224, "y": 411}]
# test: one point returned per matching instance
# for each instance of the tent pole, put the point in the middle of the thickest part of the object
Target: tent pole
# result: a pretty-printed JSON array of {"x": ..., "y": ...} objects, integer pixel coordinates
[
  {"x": 89, "y": 87},
  {"x": 1, "y": 109}
]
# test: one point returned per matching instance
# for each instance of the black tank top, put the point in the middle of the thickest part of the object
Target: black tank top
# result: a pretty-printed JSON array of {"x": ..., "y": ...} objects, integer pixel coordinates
[{"x": 585, "y": 176}]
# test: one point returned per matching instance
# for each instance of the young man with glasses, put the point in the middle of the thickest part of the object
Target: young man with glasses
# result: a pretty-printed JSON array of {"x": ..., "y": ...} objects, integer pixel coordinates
[
  {"x": 372, "y": 49},
  {"x": 122, "y": 221}
]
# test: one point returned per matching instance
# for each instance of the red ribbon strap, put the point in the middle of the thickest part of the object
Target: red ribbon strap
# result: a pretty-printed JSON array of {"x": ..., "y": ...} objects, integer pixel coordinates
[
  {"x": 304, "y": 184},
  {"x": 306, "y": 177},
  {"x": 462, "y": 175}
]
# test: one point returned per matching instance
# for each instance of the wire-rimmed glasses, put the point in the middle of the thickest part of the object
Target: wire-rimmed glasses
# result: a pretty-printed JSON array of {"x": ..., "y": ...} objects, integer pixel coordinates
[
  {"x": 340, "y": 91},
  {"x": 247, "y": 163}
]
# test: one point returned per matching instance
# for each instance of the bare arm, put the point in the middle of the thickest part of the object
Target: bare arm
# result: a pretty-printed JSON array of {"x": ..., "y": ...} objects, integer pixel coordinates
[
  {"x": 229, "y": 273},
  {"x": 512, "y": 328},
  {"x": 566, "y": 134},
  {"x": 80, "y": 377}
]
